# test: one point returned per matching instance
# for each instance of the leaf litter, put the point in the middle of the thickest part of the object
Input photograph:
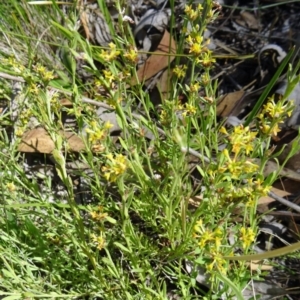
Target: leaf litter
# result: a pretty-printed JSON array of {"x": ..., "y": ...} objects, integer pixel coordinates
[{"x": 240, "y": 32}]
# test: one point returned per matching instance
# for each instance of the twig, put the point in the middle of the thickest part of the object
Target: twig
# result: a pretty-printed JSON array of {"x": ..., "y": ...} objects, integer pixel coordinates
[{"x": 284, "y": 201}]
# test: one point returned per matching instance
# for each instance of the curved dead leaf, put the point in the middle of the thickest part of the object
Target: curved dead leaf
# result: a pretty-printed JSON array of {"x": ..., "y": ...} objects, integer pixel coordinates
[{"x": 227, "y": 103}]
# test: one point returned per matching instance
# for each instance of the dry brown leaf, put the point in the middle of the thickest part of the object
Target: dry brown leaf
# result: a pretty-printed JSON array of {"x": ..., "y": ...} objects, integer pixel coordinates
[
  {"x": 195, "y": 201},
  {"x": 159, "y": 59},
  {"x": 251, "y": 21},
  {"x": 66, "y": 102},
  {"x": 38, "y": 140},
  {"x": 226, "y": 104},
  {"x": 84, "y": 22}
]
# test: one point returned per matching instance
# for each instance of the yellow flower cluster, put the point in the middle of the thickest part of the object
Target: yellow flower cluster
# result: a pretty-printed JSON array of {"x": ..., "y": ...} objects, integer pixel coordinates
[
  {"x": 234, "y": 175},
  {"x": 273, "y": 114},
  {"x": 206, "y": 60},
  {"x": 189, "y": 110},
  {"x": 206, "y": 236},
  {"x": 241, "y": 139},
  {"x": 12, "y": 62},
  {"x": 179, "y": 71},
  {"x": 98, "y": 214},
  {"x": 11, "y": 187},
  {"x": 247, "y": 237},
  {"x": 237, "y": 166},
  {"x": 23, "y": 119},
  {"x": 115, "y": 167},
  {"x": 199, "y": 50},
  {"x": 44, "y": 74},
  {"x": 194, "y": 40},
  {"x": 229, "y": 191},
  {"x": 111, "y": 54},
  {"x": 34, "y": 88},
  {"x": 193, "y": 14},
  {"x": 97, "y": 134},
  {"x": 109, "y": 76},
  {"x": 211, "y": 242},
  {"x": 132, "y": 55},
  {"x": 175, "y": 107},
  {"x": 99, "y": 241},
  {"x": 194, "y": 87}
]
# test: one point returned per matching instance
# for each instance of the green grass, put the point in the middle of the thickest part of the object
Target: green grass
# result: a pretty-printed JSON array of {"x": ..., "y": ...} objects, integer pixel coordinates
[{"x": 134, "y": 236}]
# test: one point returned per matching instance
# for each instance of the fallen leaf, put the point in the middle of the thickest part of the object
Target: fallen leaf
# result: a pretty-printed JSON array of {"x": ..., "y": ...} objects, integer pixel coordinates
[
  {"x": 226, "y": 104},
  {"x": 251, "y": 21},
  {"x": 164, "y": 84},
  {"x": 159, "y": 60},
  {"x": 66, "y": 102},
  {"x": 39, "y": 141}
]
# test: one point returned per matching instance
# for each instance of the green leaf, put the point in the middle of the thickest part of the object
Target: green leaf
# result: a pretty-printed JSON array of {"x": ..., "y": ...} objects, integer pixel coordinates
[
  {"x": 12, "y": 297},
  {"x": 269, "y": 254},
  {"x": 234, "y": 288},
  {"x": 122, "y": 247},
  {"x": 268, "y": 88}
]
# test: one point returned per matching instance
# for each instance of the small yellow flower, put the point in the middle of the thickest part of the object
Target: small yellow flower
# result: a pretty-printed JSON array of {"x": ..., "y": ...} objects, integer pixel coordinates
[
  {"x": 205, "y": 238},
  {"x": 99, "y": 241},
  {"x": 217, "y": 262},
  {"x": 19, "y": 131},
  {"x": 275, "y": 129},
  {"x": 33, "y": 88},
  {"x": 132, "y": 55},
  {"x": 108, "y": 125},
  {"x": 98, "y": 215},
  {"x": 115, "y": 167},
  {"x": 199, "y": 7},
  {"x": 110, "y": 55},
  {"x": 189, "y": 110},
  {"x": 273, "y": 114},
  {"x": 206, "y": 60},
  {"x": 179, "y": 71},
  {"x": 188, "y": 9},
  {"x": 198, "y": 228},
  {"x": 190, "y": 12},
  {"x": 11, "y": 187},
  {"x": 205, "y": 79},
  {"x": 194, "y": 88},
  {"x": 44, "y": 73},
  {"x": 40, "y": 69},
  {"x": 223, "y": 130},
  {"x": 242, "y": 139},
  {"x": 163, "y": 116},
  {"x": 195, "y": 49},
  {"x": 108, "y": 76},
  {"x": 259, "y": 187},
  {"x": 247, "y": 237}
]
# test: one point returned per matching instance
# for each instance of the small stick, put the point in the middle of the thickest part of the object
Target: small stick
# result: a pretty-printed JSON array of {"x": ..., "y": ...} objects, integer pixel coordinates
[{"x": 285, "y": 202}]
